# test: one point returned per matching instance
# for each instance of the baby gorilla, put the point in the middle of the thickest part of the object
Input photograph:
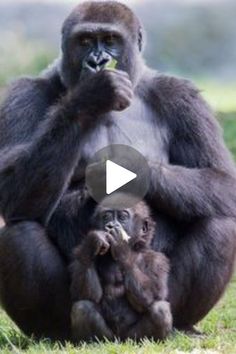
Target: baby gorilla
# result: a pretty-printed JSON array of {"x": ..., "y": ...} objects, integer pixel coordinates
[{"x": 119, "y": 285}]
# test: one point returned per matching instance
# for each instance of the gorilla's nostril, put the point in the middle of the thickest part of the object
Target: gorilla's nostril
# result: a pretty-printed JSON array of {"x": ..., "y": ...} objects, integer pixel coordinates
[
  {"x": 92, "y": 64},
  {"x": 103, "y": 62},
  {"x": 110, "y": 226}
]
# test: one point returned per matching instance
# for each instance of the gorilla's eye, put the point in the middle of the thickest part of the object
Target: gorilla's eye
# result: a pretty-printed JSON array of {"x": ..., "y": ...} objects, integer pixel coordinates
[
  {"x": 123, "y": 216},
  {"x": 110, "y": 40},
  {"x": 85, "y": 41},
  {"x": 107, "y": 217}
]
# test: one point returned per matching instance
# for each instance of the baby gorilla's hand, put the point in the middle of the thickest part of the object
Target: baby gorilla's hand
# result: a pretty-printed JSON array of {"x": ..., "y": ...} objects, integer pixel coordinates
[
  {"x": 98, "y": 242},
  {"x": 120, "y": 249}
]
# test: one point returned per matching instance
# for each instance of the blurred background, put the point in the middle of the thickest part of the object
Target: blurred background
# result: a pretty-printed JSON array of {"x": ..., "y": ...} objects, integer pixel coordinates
[{"x": 192, "y": 38}]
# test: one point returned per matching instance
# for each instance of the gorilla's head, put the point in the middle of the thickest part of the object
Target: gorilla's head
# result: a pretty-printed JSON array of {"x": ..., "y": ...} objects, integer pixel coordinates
[
  {"x": 96, "y": 34},
  {"x": 136, "y": 221}
]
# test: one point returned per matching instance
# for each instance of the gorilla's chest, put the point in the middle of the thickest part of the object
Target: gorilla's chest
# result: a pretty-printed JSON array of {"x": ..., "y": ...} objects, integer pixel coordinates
[{"x": 137, "y": 126}]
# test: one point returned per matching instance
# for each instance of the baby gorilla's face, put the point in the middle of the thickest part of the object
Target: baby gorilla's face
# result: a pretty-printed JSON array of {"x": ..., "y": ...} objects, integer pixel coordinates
[
  {"x": 110, "y": 219},
  {"x": 135, "y": 225}
]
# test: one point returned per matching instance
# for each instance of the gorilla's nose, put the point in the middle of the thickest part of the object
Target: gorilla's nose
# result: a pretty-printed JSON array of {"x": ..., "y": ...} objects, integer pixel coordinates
[
  {"x": 98, "y": 61},
  {"x": 112, "y": 225}
]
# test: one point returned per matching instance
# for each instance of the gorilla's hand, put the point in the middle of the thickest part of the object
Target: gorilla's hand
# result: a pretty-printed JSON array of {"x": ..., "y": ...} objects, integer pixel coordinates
[
  {"x": 120, "y": 249},
  {"x": 94, "y": 244},
  {"x": 97, "y": 243},
  {"x": 104, "y": 91}
]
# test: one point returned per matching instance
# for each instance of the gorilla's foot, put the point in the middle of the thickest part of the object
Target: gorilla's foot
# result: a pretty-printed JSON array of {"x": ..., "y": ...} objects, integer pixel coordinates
[
  {"x": 161, "y": 316},
  {"x": 192, "y": 331},
  {"x": 87, "y": 323}
]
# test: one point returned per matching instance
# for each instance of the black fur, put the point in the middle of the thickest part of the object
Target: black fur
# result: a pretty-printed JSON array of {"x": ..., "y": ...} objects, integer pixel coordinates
[
  {"x": 123, "y": 284},
  {"x": 50, "y": 127}
]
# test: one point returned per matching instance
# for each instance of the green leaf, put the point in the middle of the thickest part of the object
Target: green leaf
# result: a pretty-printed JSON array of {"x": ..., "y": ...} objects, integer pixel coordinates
[{"x": 111, "y": 64}]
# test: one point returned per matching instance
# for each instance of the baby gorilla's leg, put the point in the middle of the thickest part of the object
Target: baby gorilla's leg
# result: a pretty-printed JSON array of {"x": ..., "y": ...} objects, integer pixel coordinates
[
  {"x": 144, "y": 328},
  {"x": 161, "y": 316},
  {"x": 157, "y": 324},
  {"x": 87, "y": 323}
]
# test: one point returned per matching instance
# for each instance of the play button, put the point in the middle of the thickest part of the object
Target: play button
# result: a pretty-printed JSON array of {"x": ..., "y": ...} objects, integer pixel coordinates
[
  {"x": 118, "y": 169},
  {"x": 117, "y": 177}
]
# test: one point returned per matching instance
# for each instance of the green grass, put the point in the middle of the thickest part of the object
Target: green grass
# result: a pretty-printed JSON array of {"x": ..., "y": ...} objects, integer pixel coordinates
[{"x": 219, "y": 329}]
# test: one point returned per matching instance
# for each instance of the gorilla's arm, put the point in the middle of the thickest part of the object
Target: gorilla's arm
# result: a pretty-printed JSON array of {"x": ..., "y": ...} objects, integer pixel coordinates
[
  {"x": 199, "y": 180},
  {"x": 39, "y": 149},
  {"x": 41, "y": 131},
  {"x": 72, "y": 213},
  {"x": 145, "y": 277},
  {"x": 85, "y": 282}
]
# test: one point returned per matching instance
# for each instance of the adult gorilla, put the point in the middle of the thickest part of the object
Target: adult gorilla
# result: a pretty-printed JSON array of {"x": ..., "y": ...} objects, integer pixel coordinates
[{"x": 50, "y": 126}]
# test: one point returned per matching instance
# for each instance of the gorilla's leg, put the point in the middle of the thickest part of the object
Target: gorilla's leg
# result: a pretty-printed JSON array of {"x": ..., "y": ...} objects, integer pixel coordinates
[
  {"x": 34, "y": 284},
  {"x": 161, "y": 316},
  {"x": 141, "y": 329},
  {"x": 201, "y": 266},
  {"x": 88, "y": 323},
  {"x": 157, "y": 324}
]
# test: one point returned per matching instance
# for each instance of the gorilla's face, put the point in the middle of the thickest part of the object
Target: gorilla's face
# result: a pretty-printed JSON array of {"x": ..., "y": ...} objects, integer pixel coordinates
[
  {"x": 97, "y": 50},
  {"x": 138, "y": 227},
  {"x": 90, "y": 48},
  {"x": 94, "y": 34},
  {"x": 108, "y": 219}
]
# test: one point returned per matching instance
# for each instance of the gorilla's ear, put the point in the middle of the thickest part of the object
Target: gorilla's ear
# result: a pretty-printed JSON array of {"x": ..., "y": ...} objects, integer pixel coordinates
[{"x": 140, "y": 39}]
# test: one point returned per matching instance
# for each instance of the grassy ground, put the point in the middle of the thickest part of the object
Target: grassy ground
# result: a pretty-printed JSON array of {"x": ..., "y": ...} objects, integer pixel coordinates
[
  {"x": 219, "y": 326},
  {"x": 219, "y": 329}
]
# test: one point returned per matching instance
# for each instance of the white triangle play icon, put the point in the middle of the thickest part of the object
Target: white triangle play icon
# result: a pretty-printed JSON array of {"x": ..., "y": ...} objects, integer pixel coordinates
[{"x": 117, "y": 176}]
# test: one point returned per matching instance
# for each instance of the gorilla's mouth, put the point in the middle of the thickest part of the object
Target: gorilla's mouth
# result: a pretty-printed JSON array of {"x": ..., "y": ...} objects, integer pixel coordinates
[{"x": 95, "y": 67}]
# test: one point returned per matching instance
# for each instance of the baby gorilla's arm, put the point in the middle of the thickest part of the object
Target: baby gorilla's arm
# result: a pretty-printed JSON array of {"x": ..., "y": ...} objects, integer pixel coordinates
[
  {"x": 85, "y": 283},
  {"x": 156, "y": 265},
  {"x": 139, "y": 285},
  {"x": 145, "y": 271},
  {"x": 87, "y": 321},
  {"x": 145, "y": 278},
  {"x": 146, "y": 284}
]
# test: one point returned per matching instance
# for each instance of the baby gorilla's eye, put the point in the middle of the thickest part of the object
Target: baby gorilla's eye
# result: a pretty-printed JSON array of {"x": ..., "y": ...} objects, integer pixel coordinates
[
  {"x": 107, "y": 217},
  {"x": 123, "y": 216}
]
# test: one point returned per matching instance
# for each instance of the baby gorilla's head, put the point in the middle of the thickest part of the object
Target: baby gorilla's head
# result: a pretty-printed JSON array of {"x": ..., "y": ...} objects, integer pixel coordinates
[{"x": 135, "y": 222}]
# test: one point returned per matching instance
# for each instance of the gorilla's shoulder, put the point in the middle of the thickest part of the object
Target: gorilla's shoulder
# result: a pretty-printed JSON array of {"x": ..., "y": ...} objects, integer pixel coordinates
[
  {"x": 177, "y": 100},
  {"x": 26, "y": 86},
  {"x": 172, "y": 96},
  {"x": 29, "y": 91},
  {"x": 170, "y": 88}
]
